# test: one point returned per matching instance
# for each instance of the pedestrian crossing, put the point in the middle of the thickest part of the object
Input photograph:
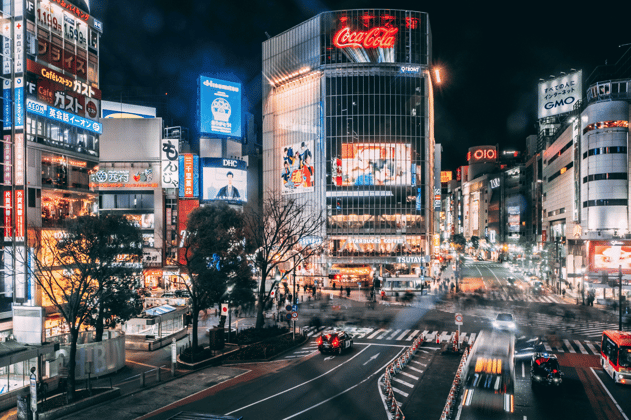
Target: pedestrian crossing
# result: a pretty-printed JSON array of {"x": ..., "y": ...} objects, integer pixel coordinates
[
  {"x": 574, "y": 347},
  {"x": 590, "y": 329},
  {"x": 523, "y": 297},
  {"x": 392, "y": 334}
]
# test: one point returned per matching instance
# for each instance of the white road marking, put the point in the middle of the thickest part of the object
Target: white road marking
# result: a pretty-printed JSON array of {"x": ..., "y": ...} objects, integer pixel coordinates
[
  {"x": 380, "y": 330},
  {"x": 609, "y": 393},
  {"x": 402, "y": 382},
  {"x": 403, "y": 335},
  {"x": 547, "y": 347},
  {"x": 591, "y": 347},
  {"x": 398, "y": 391},
  {"x": 415, "y": 369},
  {"x": 380, "y": 337},
  {"x": 422, "y": 364},
  {"x": 393, "y": 334},
  {"x": 580, "y": 347},
  {"x": 409, "y": 375},
  {"x": 568, "y": 345},
  {"x": 414, "y": 333},
  {"x": 523, "y": 370},
  {"x": 309, "y": 381}
]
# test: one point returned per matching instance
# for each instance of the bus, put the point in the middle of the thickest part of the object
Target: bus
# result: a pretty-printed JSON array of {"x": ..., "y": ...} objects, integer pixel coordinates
[
  {"x": 489, "y": 375},
  {"x": 615, "y": 355}
]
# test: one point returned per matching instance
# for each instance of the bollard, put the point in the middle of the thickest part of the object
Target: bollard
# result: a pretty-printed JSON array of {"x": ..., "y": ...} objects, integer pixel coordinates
[
  {"x": 142, "y": 379},
  {"x": 158, "y": 374},
  {"x": 394, "y": 406}
]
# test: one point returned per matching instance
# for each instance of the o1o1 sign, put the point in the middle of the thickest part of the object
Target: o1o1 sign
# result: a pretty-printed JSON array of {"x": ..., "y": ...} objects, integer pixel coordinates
[{"x": 459, "y": 319}]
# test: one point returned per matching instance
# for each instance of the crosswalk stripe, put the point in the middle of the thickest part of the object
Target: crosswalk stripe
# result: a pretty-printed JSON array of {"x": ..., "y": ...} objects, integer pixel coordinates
[
  {"x": 471, "y": 338},
  {"x": 380, "y": 337},
  {"x": 380, "y": 330},
  {"x": 547, "y": 347},
  {"x": 415, "y": 369},
  {"x": 403, "y": 335},
  {"x": 419, "y": 363},
  {"x": 580, "y": 347},
  {"x": 414, "y": 333},
  {"x": 402, "y": 382},
  {"x": 409, "y": 375},
  {"x": 398, "y": 391},
  {"x": 568, "y": 345},
  {"x": 591, "y": 347},
  {"x": 443, "y": 336},
  {"x": 393, "y": 334}
]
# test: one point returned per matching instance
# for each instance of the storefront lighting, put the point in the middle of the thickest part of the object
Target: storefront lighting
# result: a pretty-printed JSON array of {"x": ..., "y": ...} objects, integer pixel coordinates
[
  {"x": 437, "y": 74},
  {"x": 293, "y": 75}
]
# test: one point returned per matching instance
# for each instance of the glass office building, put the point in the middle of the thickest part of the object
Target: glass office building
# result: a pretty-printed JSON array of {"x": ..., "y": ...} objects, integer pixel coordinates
[{"x": 348, "y": 126}]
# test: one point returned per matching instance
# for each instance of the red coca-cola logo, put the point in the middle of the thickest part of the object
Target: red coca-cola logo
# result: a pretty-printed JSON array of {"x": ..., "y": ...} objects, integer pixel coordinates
[{"x": 375, "y": 38}]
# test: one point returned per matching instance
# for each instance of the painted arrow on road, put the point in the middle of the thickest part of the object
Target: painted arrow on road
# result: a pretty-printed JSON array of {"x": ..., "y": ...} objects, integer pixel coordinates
[
  {"x": 329, "y": 358},
  {"x": 372, "y": 358}
]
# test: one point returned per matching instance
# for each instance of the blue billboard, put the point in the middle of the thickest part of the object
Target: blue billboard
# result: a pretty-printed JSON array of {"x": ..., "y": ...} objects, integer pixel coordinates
[
  {"x": 55, "y": 114},
  {"x": 219, "y": 110},
  {"x": 224, "y": 180}
]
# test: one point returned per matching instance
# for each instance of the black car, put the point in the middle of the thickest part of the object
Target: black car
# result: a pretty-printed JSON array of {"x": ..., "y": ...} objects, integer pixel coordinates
[
  {"x": 545, "y": 370},
  {"x": 334, "y": 341}
]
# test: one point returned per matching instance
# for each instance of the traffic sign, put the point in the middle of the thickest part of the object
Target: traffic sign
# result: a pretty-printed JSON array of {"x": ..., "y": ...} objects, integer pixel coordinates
[
  {"x": 459, "y": 319},
  {"x": 224, "y": 309},
  {"x": 294, "y": 315},
  {"x": 288, "y": 316},
  {"x": 294, "y": 308},
  {"x": 288, "y": 308}
]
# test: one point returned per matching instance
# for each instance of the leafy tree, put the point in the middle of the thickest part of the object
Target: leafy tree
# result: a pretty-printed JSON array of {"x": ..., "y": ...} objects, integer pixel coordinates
[
  {"x": 275, "y": 234},
  {"x": 115, "y": 257},
  {"x": 214, "y": 259},
  {"x": 74, "y": 266}
]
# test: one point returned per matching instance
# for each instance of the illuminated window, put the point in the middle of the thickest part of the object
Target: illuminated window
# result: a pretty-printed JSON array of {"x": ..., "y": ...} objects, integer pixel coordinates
[{"x": 606, "y": 124}]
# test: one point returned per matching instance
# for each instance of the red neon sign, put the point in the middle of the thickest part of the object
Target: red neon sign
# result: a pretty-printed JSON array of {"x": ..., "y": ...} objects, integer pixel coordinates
[{"x": 375, "y": 38}]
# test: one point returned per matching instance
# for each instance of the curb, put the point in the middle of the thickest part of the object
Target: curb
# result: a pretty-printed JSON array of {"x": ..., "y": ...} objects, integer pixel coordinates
[{"x": 80, "y": 405}]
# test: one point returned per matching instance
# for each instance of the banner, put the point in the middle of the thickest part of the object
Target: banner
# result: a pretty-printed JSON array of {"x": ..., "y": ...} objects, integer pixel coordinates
[{"x": 298, "y": 173}]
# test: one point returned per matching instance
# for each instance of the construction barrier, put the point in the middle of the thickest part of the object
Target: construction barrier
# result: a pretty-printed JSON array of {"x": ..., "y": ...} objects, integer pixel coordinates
[{"x": 454, "y": 392}]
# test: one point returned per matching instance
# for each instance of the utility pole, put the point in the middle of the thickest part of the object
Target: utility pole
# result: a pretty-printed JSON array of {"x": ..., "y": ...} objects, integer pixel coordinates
[{"x": 620, "y": 297}]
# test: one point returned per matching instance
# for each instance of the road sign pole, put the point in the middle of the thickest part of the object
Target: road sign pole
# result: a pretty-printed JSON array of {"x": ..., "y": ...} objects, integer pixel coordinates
[{"x": 293, "y": 335}]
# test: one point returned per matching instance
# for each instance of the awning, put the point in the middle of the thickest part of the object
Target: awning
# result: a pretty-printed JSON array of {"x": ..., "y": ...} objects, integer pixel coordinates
[{"x": 160, "y": 310}]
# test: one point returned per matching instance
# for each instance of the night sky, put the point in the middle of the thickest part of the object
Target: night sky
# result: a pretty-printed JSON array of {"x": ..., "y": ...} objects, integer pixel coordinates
[{"x": 491, "y": 58}]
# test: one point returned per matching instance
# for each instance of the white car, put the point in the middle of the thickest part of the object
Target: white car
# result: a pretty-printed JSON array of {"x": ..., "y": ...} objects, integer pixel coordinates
[{"x": 505, "y": 321}]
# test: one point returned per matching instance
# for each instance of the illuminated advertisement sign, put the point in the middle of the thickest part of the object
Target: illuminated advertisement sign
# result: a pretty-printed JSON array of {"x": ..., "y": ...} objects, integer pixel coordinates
[
  {"x": 609, "y": 255},
  {"x": 298, "y": 172},
  {"x": 19, "y": 103},
  {"x": 224, "y": 179},
  {"x": 482, "y": 154},
  {"x": 559, "y": 95},
  {"x": 8, "y": 217},
  {"x": 18, "y": 164},
  {"x": 189, "y": 175},
  {"x": 18, "y": 45},
  {"x": 5, "y": 30},
  {"x": 6, "y": 104},
  {"x": 60, "y": 58},
  {"x": 376, "y": 164},
  {"x": 170, "y": 161},
  {"x": 436, "y": 198},
  {"x": 185, "y": 207},
  {"x": 77, "y": 86},
  {"x": 219, "y": 107},
  {"x": 123, "y": 178},
  {"x": 19, "y": 215},
  {"x": 378, "y": 37},
  {"x": 8, "y": 158},
  {"x": 446, "y": 176},
  {"x": 63, "y": 116}
]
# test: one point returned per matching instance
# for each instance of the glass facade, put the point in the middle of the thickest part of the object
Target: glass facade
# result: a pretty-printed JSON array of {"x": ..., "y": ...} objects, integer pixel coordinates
[{"x": 352, "y": 91}]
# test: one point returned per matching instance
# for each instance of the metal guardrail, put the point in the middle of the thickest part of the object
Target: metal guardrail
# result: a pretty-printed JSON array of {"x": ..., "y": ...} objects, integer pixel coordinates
[{"x": 454, "y": 392}]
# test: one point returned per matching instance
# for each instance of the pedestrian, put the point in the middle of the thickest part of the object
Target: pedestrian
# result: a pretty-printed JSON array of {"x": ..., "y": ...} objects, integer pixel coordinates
[
  {"x": 383, "y": 295},
  {"x": 333, "y": 285},
  {"x": 348, "y": 291},
  {"x": 563, "y": 292}
]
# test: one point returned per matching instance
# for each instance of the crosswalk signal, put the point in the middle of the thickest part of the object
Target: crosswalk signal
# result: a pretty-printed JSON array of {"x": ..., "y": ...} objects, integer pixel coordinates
[{"x": 338, "y": 204}]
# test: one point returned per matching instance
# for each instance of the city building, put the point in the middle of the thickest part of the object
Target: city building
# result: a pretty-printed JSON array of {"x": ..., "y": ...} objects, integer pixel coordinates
[
  {"x": 51, "y": 104},
  {"x": 348, "y": 126}
]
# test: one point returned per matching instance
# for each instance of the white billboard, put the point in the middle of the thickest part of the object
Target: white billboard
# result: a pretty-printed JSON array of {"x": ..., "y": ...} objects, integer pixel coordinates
[{"x": 558, "y": 96}]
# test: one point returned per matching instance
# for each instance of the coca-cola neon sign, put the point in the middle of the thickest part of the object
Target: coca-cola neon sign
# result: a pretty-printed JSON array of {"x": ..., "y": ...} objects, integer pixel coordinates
[{"x": 379, "y": 37}]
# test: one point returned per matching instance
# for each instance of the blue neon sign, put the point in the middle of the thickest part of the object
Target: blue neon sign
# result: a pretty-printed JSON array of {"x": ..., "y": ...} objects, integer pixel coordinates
[
  {"x": 63, "y": 116},
  {"x": 219, "y": 107}
]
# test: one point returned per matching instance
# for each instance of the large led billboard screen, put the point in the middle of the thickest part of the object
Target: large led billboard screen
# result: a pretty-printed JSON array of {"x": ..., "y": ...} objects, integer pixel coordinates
[
  {"x": 224, "y": 180},
  {"x": 219, "y": 110},
  {"x": 298, "y": 172},
  {"x": 376, "y": 164},
  {"x": 610, "y": 256}
]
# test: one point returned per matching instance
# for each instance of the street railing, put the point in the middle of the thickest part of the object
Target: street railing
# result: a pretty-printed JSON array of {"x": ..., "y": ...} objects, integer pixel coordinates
[
  {"x": 456, "y": 388},
  {"x": 394, "y": 368}
]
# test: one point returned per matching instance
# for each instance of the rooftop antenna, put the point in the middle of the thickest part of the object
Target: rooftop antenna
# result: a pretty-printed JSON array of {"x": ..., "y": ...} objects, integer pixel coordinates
[{"x": 267, "y": 35}]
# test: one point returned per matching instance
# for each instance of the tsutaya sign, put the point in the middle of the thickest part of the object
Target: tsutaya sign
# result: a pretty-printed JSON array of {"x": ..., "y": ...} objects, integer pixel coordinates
[
  {"x": 379, "y": 37},
  {"x": 411, "y": 260}
]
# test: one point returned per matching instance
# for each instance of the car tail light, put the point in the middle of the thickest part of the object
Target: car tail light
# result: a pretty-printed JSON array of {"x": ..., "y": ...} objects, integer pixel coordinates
[
  {"x": 319, "y": 341},
  {"x": 335, "y": 342},
  {"x": 554, "y": 371}
]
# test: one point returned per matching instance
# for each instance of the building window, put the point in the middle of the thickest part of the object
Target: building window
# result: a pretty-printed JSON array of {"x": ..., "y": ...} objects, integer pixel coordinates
[
  {"x": 563, "y": 150},
  {"x": 560, "y": 172},
  {"x": 604, "y": 150},
  {"x": 606, "y": 124},
  {"x": 606, "y": 202},
  {"x": 605, "y": 176}
]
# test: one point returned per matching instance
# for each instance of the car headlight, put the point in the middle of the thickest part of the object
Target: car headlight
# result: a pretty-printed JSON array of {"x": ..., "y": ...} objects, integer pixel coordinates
[
  {"x": 495, "y": 324},
  {"x": 512, "y": 325},
  {"x": 536, "y": 377}
]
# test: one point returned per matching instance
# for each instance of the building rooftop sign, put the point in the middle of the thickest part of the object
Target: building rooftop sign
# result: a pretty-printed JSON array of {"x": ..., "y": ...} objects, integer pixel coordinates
[{"x": 378, "y": 37}]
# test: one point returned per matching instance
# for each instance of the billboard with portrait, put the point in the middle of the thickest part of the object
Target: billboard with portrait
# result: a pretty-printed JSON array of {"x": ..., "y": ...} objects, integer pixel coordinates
[
  {"x": 224, "y": 180},
  {"x": 298, "y": 173},
  {"x": 376, "y": 164},
  {"x": 219, "y": 107}
]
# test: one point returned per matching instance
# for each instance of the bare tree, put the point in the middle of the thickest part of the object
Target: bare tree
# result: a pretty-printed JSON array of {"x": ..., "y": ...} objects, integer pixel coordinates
[{"x": 282, "y": 226}]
